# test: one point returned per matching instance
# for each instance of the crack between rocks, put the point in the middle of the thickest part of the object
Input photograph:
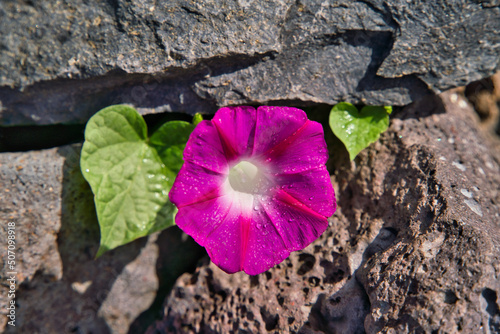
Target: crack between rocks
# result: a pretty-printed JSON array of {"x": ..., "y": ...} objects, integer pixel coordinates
[
  {"x": 377, "y": 59},
  {"x": 362, "y": 38},
  {"x": 153, "y": 26},
  {"x": 190, "y": 10},
  {"x": 168, "y": 88},
  {"x": 116, "y": 8},
  {"x": 385, "y": 13}
]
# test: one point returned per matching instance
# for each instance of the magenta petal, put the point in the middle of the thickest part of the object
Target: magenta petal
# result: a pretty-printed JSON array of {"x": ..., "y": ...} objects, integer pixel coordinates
[
  {"x": 275, "y": 124},
  {"x": 313, "y": 188},
  {"x": 236, "y": 127},
  {"x": 265, "y": 246},
  {"x": 227, "y": 243},
  {"x": 205, "y": 149},
  {"x": 198, "y": 184},
  {"x": 305, "y": 149},
  {"x": 296, "y": 223},
  {"x": 200, "y": 219}
]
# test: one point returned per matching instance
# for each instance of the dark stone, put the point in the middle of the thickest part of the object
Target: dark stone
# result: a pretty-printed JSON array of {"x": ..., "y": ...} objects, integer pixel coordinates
[
  {"x": 414, "y": 246},
  {"x": 61, "y": 61}
]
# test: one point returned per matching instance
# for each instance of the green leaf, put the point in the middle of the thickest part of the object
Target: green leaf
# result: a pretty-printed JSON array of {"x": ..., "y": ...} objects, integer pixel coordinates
[
  {"x": 197, "y": 118},
  {"x": 129, "y": 180},
  {"x": 358, "y": 129},
  {"x": 169, "y": 141}
]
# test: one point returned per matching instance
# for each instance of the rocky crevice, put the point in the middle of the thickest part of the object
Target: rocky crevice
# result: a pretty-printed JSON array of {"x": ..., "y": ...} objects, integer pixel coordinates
[{"x": 404, "y": 252}]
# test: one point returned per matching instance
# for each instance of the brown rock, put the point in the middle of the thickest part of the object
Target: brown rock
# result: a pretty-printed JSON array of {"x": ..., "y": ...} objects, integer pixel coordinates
[
  {"x": 485, "y": 97},
  {"x": 414, "y": 246},
  {"x": 60, "y": 286}
]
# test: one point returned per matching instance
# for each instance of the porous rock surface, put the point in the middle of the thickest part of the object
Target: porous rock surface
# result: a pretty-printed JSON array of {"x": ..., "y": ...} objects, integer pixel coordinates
[
  {"x": 61, "y": 61},
  {"x": 414, "y": 246}
]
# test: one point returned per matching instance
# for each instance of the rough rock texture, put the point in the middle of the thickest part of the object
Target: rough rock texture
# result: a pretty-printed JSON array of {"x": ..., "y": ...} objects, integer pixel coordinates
[
  {"x": 61, "y": 61},
  {"x": 414, "y": 246},
  {"x": 61, "y": 288},
  {"x": 485, "y": 97}
]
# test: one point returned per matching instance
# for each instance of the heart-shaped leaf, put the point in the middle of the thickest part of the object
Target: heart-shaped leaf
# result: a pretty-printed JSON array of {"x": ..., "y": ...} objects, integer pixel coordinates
[
  {"x": 130, "y": 175},
  {"x": 171, "y": 147},
  {"x": 358, "y": 129}
]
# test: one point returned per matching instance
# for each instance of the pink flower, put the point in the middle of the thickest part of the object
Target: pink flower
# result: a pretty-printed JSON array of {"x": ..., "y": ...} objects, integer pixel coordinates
[{"x": 254, "y": 186}]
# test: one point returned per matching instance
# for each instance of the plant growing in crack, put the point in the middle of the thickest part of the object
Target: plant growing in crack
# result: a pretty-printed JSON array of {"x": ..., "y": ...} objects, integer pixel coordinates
[{"x": 250, "y": 185}]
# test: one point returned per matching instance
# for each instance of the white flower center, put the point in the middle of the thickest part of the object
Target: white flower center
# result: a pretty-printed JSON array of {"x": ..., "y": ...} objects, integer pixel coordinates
[{"x": 244, "y": 177}]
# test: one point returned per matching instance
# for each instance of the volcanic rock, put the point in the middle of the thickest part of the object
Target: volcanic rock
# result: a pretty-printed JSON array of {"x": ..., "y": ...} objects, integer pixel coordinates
[{"x": 62, "y": 61}]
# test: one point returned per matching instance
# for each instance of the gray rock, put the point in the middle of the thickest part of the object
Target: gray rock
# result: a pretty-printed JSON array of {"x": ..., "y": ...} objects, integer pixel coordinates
[
  {"x": 31, "y": 185},
  {"x": 61, "y": 61},
  {"x": 414, "y": 246},
  {"x": 61, "y": 287}
]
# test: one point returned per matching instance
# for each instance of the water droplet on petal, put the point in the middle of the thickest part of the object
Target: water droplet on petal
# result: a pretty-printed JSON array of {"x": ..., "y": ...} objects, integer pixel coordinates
[
  {"x": 311, "y": 198},
  {"x": 256, "y": 208}
]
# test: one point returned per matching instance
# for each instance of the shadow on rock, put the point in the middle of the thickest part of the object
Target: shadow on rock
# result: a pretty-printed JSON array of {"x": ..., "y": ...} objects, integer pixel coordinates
[
  {"x": 343, "y": 312},
  {"x": 122, "y": 289},
  {"x": 178, "y": 253}
]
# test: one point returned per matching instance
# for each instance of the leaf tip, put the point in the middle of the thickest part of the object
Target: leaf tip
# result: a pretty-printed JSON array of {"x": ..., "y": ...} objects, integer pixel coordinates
[
  {"x": 197, "y": 118},
  {"x": 102, "y": 249}
]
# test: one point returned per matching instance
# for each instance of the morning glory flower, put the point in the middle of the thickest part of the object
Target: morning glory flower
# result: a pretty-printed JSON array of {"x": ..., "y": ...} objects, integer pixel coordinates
[{"x": 254, "y": 186}]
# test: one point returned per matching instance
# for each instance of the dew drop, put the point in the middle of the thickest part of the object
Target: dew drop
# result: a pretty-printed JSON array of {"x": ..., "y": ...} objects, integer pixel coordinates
[
  {"x": 311, "y": 198},
  {"x": 87, "y": 170},
  {"x": 255, "y": 208}
]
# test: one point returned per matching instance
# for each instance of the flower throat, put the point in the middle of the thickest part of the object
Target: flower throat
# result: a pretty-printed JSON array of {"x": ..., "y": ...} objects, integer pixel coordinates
[{"x": 244, "y": 177}]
